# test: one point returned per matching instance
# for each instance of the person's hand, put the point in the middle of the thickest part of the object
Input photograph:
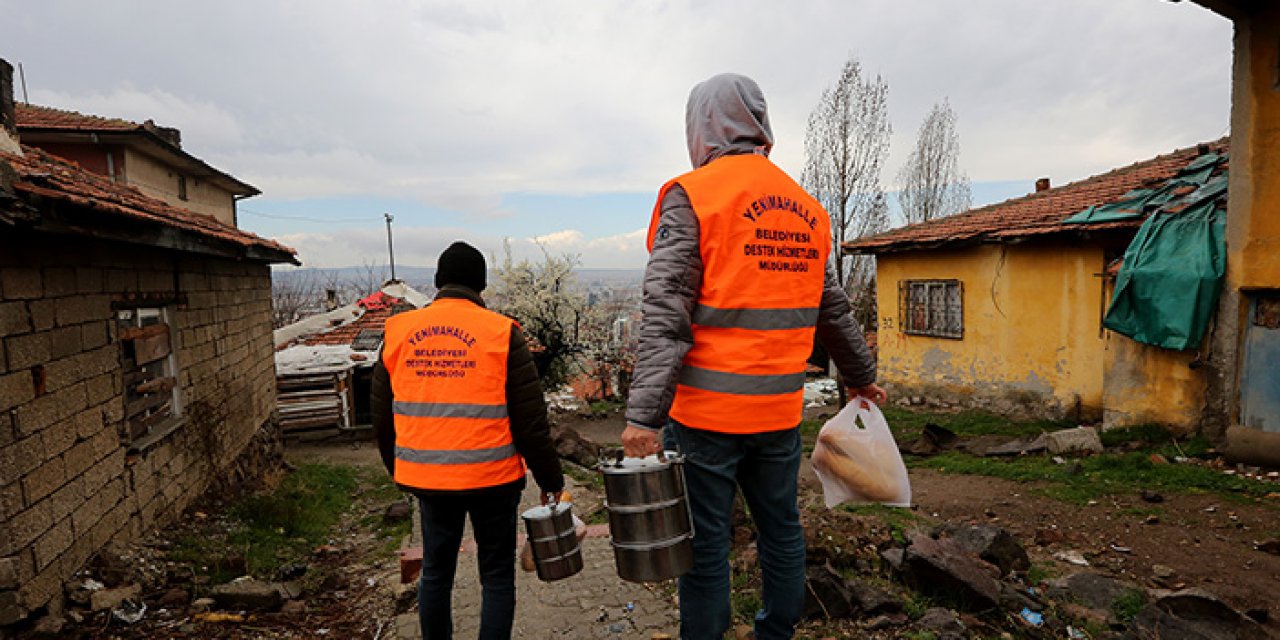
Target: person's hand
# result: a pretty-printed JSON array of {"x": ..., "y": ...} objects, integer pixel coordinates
[
  {"x": 872, "y": 392},
  {"x": 638, "y": 442}
]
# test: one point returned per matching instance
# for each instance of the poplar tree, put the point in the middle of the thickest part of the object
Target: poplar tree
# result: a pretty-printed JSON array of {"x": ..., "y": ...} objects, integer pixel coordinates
[
  {"x": 846, "y": 143},
  {"x": 931, "y": 184}
]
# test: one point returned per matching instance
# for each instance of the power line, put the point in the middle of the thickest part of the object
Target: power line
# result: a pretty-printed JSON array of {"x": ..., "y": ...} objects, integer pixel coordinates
[{"x": 305, "y": 218}]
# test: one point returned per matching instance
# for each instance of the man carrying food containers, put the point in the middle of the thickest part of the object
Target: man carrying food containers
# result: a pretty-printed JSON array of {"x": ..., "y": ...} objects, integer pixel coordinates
[
  {"x": 459, "y": 411},
  {"x": 737, "y": 284}
]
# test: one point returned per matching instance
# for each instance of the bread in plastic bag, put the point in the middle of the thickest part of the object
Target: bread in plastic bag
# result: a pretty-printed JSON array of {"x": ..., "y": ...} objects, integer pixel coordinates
[{"x": 857, "y": 459}]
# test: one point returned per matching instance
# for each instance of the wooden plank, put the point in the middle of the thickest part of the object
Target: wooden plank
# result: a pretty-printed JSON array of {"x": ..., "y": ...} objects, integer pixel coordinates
[
  {"x": 156, "y": 385},
  {"x": 133, "y": 408},
  {"x": 141, "y": 426},
  {"x": 149, "y": 331},
  {"x": 132, "y": 378},
  {"x": 307, "y": 424},
  {"x": 304, "y": 409},
  {"x": 151, "y": 348},
  {"x": 303, "y": 395}
]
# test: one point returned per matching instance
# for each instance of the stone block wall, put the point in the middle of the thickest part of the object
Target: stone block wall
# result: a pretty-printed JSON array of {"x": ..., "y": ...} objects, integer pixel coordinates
[{"x": 70, "y": 479}]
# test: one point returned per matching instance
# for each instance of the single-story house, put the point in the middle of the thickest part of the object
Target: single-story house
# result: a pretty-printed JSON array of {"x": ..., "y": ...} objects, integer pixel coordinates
[
  {"x": 136, "y": 364},
  {"x": 1008, "y": 306}
]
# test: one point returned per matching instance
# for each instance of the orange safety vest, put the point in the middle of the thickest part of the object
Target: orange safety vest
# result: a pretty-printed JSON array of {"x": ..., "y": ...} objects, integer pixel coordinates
[
  {"x": 448, "y": 366},
  {"x": 764, "y": 243}
]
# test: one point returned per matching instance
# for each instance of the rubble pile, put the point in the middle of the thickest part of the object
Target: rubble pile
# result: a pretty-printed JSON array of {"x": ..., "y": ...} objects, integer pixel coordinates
[{"x": 968, "y": 581}]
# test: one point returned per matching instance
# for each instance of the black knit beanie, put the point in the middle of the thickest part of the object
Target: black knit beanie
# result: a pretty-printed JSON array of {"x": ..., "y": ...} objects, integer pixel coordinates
[{"x": 461, "y": 264}]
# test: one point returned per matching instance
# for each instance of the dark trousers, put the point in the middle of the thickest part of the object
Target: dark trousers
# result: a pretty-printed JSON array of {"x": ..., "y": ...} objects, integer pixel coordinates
[
  {"x": 493, "y": 521},
  {"x": 765, "y": 467}
]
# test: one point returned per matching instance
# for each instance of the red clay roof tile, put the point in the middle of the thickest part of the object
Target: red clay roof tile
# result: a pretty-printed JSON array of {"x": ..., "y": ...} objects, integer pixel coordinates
[
  {"x": 40, "y": 117},
  {"x": 372, "y": 318},
  {"x": 47, "y": 176},
  {"x": 1038, "y": 213}
]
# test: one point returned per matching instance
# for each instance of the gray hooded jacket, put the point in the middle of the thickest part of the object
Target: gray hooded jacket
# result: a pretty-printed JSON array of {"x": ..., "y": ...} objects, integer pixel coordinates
[{"x": 726, "y": 115}]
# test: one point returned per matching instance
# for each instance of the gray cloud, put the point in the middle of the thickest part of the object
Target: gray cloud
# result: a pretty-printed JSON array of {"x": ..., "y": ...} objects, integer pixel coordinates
[{"x": 455, "y": 104}]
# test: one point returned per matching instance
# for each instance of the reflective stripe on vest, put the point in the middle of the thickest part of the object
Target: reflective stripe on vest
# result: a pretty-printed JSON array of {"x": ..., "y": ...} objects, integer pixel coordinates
[
  {"x": 451, "y": 456},
  {"x": 761, "y": 319},
  {"x": 741, "y": 383},
  {"x": 764, "y": 244},
  {"x": 448, "y": 367},
  {"x": 448, "y": 410}
]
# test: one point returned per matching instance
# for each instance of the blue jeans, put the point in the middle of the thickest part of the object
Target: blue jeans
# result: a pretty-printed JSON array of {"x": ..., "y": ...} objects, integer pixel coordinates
[
  {"x": 493, "y": 520},
  {"x": 765, "y": 466}
]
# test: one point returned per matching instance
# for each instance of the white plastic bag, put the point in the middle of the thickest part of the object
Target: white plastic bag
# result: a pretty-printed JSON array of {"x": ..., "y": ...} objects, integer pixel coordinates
[{"x": 857, "y": 460}]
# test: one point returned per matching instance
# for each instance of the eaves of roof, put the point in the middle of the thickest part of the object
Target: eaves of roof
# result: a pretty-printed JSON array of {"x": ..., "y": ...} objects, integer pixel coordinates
[
  {"x": 47, "y": 124},
  {"x": 51, "y": 195},
  {"x": 1038, "y": 214}
]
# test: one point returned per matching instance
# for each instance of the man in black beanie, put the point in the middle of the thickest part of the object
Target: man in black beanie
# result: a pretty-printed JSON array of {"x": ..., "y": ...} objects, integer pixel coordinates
[
  {"x": 461, "y": 264},
  {"x": 459, "y": 411}
]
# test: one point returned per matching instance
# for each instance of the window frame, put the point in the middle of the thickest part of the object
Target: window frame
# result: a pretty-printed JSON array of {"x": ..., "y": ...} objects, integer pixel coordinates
[
  {"x": 909, "y": 307},
  {"x": 162, "y": 372}
]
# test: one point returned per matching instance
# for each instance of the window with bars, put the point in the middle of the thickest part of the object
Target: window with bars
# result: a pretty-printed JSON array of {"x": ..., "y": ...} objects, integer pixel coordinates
[
  {"x": 931, "y": 307},
  {"x": 151, "y": 398}
]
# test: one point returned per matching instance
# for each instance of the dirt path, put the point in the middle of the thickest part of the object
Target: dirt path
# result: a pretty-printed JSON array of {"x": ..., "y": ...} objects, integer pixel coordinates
[{"x": 592, "y": 604}]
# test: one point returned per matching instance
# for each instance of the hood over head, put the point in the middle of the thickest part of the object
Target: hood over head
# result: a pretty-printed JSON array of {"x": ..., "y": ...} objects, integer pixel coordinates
[{"x": 726, "y": 115}]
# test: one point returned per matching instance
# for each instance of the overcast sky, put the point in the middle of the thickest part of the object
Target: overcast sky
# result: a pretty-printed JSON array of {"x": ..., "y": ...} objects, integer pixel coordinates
[{"x": 558, "y": 120}]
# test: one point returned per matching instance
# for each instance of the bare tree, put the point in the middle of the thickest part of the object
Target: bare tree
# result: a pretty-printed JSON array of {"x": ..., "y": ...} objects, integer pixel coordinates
[
  {"x": 368, "y": 278},
  {"x": 931, "y": 184},
  {"x": 293, "y": 293},
  {"x": 846, "y": 143}
]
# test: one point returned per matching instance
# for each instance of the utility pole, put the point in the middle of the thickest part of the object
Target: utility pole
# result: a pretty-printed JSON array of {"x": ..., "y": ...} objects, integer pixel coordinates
[{"x": 390, "y": 251}]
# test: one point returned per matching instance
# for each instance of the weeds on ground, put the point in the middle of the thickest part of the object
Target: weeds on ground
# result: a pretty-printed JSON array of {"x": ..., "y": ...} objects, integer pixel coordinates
[
  {"x": 1078, "y": 480},
  {"x": 916, "y": 604},
  {"x": 281, "y": 527},
  {"x": 601, "y": 408},
  {"x": 1041, "y": 572},
  {"x": 898, "y": 520},
  {"x": 381, "y": 490},
  {"x": 907, "y": 424},
  {"x": 582, "y": 475},
  {"x": 1127, "y": 606}
]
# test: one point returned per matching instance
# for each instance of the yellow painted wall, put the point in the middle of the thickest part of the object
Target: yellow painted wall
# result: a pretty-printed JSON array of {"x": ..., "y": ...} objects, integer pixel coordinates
[
  {"x": 1253, "y": 230},
  {"x": 160, "y": 181},
  {"x": 1150, "y": 385},
  {"x": 1031, "y": 328}
]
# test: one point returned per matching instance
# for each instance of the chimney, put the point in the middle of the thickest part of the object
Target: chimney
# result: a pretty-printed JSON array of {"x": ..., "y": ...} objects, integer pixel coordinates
[
  {"x": 330, "y": 299},
  {"x": 1042, "y": 185},
  {"x": 8, "y": 125},
  {"x": 172, "y": 135}
]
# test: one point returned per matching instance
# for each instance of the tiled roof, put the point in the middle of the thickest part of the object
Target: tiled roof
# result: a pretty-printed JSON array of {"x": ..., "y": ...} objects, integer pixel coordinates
[
  {"x": 46, "y": 176},
  {"x": 373, "y": 318},
  {"x": 35, "y": 116},
  {"x": 1038, "y": 213},
  {"x": 34, "y": 120}
]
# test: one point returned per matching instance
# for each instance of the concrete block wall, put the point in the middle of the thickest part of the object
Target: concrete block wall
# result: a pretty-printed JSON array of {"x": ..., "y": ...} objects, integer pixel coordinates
[{"x": 69, "y": 481}]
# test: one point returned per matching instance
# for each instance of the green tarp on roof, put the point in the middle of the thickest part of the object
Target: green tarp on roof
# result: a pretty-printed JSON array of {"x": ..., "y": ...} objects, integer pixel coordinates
[
  {"x": 1138, "y": 202},
  {"x": 1168, "y": 287}
]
